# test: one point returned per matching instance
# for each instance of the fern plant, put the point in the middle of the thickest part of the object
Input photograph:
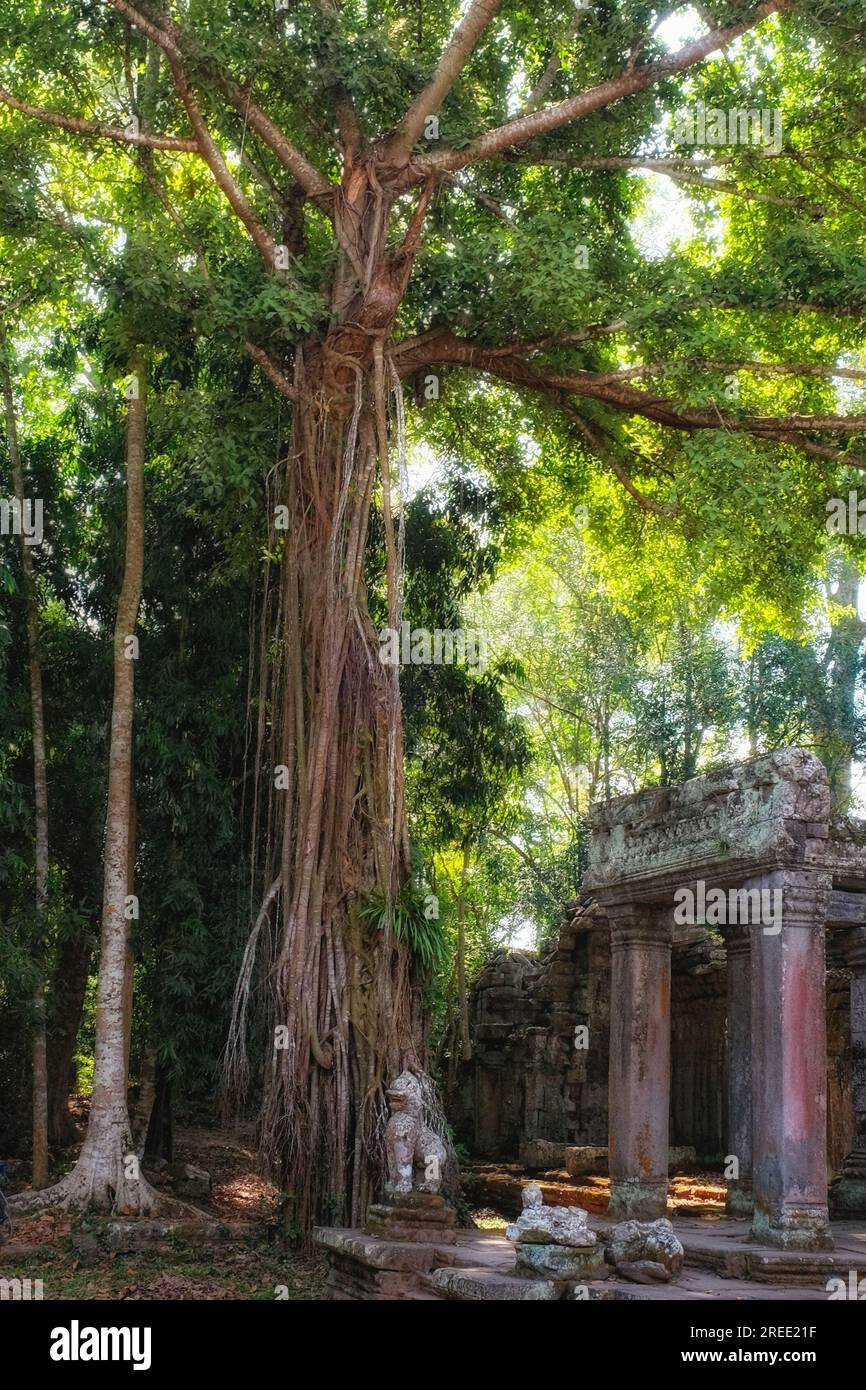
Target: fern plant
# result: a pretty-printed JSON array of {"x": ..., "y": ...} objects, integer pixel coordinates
[{"x": 407, "y": 913}]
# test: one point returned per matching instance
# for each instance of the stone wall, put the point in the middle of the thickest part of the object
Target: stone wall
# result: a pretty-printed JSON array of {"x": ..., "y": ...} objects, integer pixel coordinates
[
  {"x": 840, "y": 1072},
  {"x": 698, "y": 1110},
  {"x": 529, "y": 1081}
]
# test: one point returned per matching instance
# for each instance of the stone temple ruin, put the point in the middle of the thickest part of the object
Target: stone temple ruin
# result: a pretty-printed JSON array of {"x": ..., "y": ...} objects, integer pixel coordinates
[{"x": 706, "y": 997}]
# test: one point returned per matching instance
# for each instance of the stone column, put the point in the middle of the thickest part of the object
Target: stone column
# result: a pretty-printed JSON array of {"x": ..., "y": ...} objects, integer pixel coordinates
[
  {"x": 789, "y": 1062},
  {"x": 848, "y": 1195},
  {"x": 640, "y": 1062},
  {"x": 739, "y": 1057}
]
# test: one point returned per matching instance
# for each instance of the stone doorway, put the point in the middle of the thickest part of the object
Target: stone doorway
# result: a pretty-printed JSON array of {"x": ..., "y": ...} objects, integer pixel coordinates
[{"x": 738, "y": 1035}]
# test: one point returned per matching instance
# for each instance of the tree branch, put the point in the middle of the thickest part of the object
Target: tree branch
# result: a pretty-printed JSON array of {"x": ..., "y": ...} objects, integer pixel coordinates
[
  {"x": 547, "y": 78},
  {"x": 696, "y": 180},
  {"x": 685, "y": 171},
  {"x": 265, "y": 243},
  {"x": 442, "y": 346},
  {"x": 816, "y": 369},
  {"x": 603, "y": 446},
  {"x": 271, "y": 370},
  {"x": 655, "y": 163},
  {"x": 175, "y": 43},
  {"x": 455, "y": 56},
  {"x": 349, "y": 126},
  {"x": 414, "y": 353},
  {"x": 627, "y": 83},
  {"x": 78, "y": 126}
]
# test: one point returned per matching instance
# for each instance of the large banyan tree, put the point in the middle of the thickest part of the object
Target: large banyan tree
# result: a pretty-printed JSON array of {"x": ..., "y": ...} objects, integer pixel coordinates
[{"x": 419, "y": 193}]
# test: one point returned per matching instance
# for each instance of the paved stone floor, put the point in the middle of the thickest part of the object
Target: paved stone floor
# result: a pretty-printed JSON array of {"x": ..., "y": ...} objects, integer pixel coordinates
[{"x": 720, "y": 1263}]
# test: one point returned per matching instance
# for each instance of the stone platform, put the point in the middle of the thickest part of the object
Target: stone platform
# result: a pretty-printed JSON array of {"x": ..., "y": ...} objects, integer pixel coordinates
[
  {"x": 415, "y": 1217},
  {"x": 721, "y": 1263}
]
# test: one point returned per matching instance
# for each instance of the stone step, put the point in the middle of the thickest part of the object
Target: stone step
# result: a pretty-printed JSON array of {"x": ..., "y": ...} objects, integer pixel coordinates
[
  {"x": 694, "y": 1287},
  {"x": 739, "y": 1259},
  {"x": 484, "y": 1285},
  {"x": 720, "y": 1264}
]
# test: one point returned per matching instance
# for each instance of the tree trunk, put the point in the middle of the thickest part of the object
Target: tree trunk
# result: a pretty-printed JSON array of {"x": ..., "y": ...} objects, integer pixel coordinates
[
  {"x": 107, "y": 1175},
  {"x": 40, "y": 791},
  {"x": 843, "y": 661},
  {"x": 343, "y": 1006},
  {"x": 342, "y": 989},
  {"x": 101, "y": 1174},
  {"x": 130, "y": 888},
  {"x": 462, "y": 993},
  {"x": 141, "y": 1111}
]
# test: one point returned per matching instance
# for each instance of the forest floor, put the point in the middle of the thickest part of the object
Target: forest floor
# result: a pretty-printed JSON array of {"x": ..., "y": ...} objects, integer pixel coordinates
[
  {"x": 260, "y": 1268},
  {"x": 252, "y": 1261}
]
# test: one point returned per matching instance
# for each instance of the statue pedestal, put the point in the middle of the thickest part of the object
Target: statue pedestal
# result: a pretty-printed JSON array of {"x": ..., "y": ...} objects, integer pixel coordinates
[{"x": 421, "y": 1217}]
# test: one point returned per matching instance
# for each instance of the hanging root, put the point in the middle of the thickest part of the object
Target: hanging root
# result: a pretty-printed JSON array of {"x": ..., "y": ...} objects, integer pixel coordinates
[
  {"x": 236, "y": 1067},
  {"x": 434, "y": 1117},
  {"x": 338, "y": 988}
]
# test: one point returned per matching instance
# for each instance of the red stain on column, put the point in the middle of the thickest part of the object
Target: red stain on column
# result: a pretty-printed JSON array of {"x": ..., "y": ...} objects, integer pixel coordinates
[{"x": 800, "y": 1098}]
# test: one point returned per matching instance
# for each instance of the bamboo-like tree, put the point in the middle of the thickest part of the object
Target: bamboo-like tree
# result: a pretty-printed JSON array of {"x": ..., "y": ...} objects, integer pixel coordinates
[
  {"x": 40, "y": 783},
  {"x": 107, "y": 1172}
]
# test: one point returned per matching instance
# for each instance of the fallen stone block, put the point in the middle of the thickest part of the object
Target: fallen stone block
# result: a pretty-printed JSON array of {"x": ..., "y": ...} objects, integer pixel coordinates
[
  {"x": 586, "y": 1158},
  {"x": 683, "y": 1159},
  {"x": 538, "y": 1155},
  {"x": 632, "y": 1244},
  {"x": 644, "y": 1272},
  {"x": 538, "y": 1224},
  {"x": 581, "y": 1159},
  {"x": 561, "y": 1262}
]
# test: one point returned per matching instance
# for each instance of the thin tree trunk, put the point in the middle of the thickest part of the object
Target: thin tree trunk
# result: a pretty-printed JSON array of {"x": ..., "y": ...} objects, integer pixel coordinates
[
  {"x": 141, "y": 1112},
  {"x": 107, "y": 1175},
  {"x": 130, "y": 888},
  {"x": 843, "y": 661},
  {"x": 159, "y": 1139},
  {"x": 752, "y": 715},
  {"x": 108, "y": 1180},
  {"x": 40, "y": 796},
  {"x": 462, "y": 993}
]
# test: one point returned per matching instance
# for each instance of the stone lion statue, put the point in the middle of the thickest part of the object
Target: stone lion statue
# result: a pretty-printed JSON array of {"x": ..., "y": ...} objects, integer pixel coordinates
[{"x": 415, "y": 1155}]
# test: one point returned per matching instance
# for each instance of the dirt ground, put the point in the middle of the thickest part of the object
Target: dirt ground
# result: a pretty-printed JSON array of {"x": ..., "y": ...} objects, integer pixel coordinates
[{"x": 74, "y": 1265}]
